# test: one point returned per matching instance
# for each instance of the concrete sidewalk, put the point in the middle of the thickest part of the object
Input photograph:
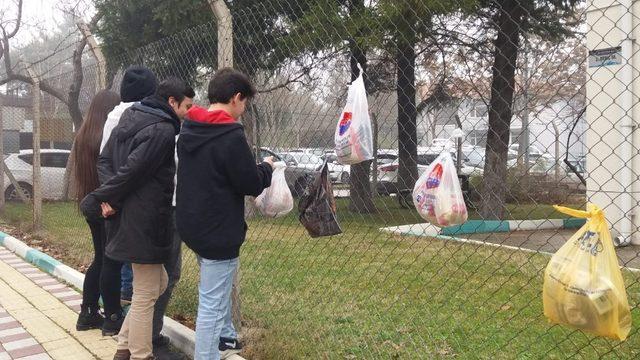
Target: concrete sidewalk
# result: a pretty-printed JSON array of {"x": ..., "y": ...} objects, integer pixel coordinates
[{"x": 38, "y": 315}]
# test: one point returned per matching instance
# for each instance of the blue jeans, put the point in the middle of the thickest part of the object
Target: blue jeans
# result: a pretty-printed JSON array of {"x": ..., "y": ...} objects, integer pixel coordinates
[
  {"x": 214, "y": 307},
  {"x": 126, "y": 279}
]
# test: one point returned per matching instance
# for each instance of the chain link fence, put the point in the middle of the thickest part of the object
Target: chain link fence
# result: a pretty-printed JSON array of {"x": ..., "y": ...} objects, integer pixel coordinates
[{"x": 544, "y": 94}]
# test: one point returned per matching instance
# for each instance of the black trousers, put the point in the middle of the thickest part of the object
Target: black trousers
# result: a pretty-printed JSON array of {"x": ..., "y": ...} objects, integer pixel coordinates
[
  {"x": 103, "y": 275},
  {"x": 173, "y": 266}
]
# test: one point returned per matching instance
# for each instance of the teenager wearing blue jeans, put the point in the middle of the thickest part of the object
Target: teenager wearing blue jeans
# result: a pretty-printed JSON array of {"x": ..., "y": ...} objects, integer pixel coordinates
[
  {"x": 126, "y": 276},
  {"x": 217, "y": 170}
]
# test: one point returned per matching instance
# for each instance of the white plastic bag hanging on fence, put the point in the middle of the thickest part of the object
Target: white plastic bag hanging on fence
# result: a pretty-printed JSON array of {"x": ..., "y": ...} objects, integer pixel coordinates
[
  {"x": 276, "y": 200},
  {"x": 437, "y": 195},
  {"x": 353, "y": 138}
]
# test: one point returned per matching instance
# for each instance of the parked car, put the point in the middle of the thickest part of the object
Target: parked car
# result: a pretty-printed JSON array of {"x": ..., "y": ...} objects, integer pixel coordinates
[
  {"x": 442, "y": 143},
  {"x": 539, "y": 162},
  {"x": 474, "y": 156},
  {"x": 53, "y": 164},
  {"x": 303, "y": 160},
  {"x": 338, "y": 172},
  {"x": 315, "y": 151},
  {"x": 342, "y": 173},
  {"x": 297, "y": 177},
  {"x": 534, "y": 152},
  {"x": 386, "y": 156}
]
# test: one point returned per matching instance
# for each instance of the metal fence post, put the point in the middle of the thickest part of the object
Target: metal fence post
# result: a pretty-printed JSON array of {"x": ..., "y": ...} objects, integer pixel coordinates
[
  {"x": 224, "y": 22},
  {"x": 37, "y": 180},
  {"x": 97, "y": 54}
]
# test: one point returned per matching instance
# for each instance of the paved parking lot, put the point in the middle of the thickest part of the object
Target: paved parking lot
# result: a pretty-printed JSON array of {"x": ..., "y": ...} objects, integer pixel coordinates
[{"x": 550, "y": 241}]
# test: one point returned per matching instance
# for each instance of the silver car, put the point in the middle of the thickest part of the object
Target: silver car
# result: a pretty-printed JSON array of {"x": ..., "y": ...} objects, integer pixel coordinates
[
  {"x": 339, "y": 173},
  {"x": 298, "y": 177}
]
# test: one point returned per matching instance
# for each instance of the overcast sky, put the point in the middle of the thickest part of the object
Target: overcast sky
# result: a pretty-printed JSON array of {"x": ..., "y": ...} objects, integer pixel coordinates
[{"x": 40, "y": 14}]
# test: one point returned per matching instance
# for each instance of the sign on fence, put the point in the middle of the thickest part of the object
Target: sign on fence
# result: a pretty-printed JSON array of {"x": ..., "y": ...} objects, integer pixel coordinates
[{"x": 605, "y": 57}]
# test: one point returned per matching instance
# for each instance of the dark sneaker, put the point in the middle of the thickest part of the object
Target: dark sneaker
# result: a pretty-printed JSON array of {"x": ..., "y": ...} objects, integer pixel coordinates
[
  {"x": 165, "y": 353},
  {"x": 161, "y": 341},
  {"x": 88, "y": 319},
  {"x": 229, "y": 347},
  {"x": 112, "y": 324},
  {"x": 122, "y": 355},
  {"x": 125, "y": 297}
]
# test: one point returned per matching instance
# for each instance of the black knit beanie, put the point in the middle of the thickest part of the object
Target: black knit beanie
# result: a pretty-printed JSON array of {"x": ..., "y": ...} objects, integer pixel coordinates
[{"x": 138, "y": 82}]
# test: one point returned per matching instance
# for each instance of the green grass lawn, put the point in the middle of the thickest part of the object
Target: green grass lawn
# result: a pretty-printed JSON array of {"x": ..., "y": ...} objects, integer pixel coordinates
[{"x": 367, "y": 294}]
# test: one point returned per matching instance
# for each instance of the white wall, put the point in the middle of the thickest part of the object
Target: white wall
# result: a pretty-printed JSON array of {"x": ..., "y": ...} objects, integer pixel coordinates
[{"x": 605, "y": 87}]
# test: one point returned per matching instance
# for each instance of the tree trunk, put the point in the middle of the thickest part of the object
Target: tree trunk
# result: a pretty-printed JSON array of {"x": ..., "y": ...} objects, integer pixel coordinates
[
  {"x": 524, "y": 143},
  {"x": 407, "y": 113},
  {"x": 376, "y": 146},
  {"x": 432, "y": 129},
  {"x": 76, "y": 115},
  {"x": 556, "y": 163},
  {"x": 69, "y": 190},
  {"x": 249, "y": 121},
  {"x": 361, "y": 197},
  {"x": 458, "y": 147},
  {"x": 500, "y": 111},
  {"x": 76, "y": 85}
]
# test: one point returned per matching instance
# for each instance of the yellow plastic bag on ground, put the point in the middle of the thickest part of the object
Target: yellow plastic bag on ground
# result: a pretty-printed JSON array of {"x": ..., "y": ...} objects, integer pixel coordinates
[{"x": 583, "y": 285}]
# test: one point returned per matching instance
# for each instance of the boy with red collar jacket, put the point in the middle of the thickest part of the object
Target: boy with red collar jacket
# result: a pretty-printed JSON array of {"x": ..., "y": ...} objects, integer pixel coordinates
[{"x": 216, "y": 171}]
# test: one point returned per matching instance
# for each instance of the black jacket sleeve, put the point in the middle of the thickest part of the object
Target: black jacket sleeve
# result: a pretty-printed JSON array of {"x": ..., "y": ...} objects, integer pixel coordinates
[
  {"x": 246, "y": 177},
  {"x": 151, "y": 147},
  {"x": 90, "y": 208}
]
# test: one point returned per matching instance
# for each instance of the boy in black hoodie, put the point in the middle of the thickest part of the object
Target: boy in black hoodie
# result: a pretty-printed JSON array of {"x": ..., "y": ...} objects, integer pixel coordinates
[
  {"x": 217, "y": 170},
  {"x": 136, "y": 170}
]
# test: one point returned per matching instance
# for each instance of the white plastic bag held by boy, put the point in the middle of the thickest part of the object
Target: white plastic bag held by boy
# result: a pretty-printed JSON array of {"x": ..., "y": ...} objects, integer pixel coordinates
[
  {"x": 437, "y": 195},
  {"x": 276, "y": 200},
  {"x": 353, "y": 138}
]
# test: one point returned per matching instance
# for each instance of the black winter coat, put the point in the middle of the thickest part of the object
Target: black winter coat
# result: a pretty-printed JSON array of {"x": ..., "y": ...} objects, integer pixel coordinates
[
  {"x": 136, "y": 170},
  {"x": 217, "y": 170}
]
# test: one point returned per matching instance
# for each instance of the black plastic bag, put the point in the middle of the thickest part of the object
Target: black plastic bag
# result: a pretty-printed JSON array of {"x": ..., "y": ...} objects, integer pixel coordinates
[{"x": 317, "y": 207}]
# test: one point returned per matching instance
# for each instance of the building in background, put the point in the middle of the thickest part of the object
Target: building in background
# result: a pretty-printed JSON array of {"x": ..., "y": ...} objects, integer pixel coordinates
[
  {"x": 17, "y": 115},
  {"x": 438, "y": 122}
]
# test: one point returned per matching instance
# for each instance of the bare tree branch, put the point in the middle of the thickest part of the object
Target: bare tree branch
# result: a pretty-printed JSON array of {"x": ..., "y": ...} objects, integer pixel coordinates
[
  {"x": 6, "y": 50},
  {"x": 58, "y": 49},
  {"x": 76, "y": 83},
  {"x": 94, "y": 21},
  {"x": 305, "y": 72},
  {"x": 285, "y": 84},
  {"x": 481, "y": 93},
  {"x": 69, "y": 98},
  {"x": 44, "y": 85},
  {"x": 18, "y": 21}
]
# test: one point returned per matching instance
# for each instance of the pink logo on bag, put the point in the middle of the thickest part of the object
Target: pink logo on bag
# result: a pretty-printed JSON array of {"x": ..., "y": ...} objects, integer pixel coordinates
[{"x": 345, "y": 122}]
